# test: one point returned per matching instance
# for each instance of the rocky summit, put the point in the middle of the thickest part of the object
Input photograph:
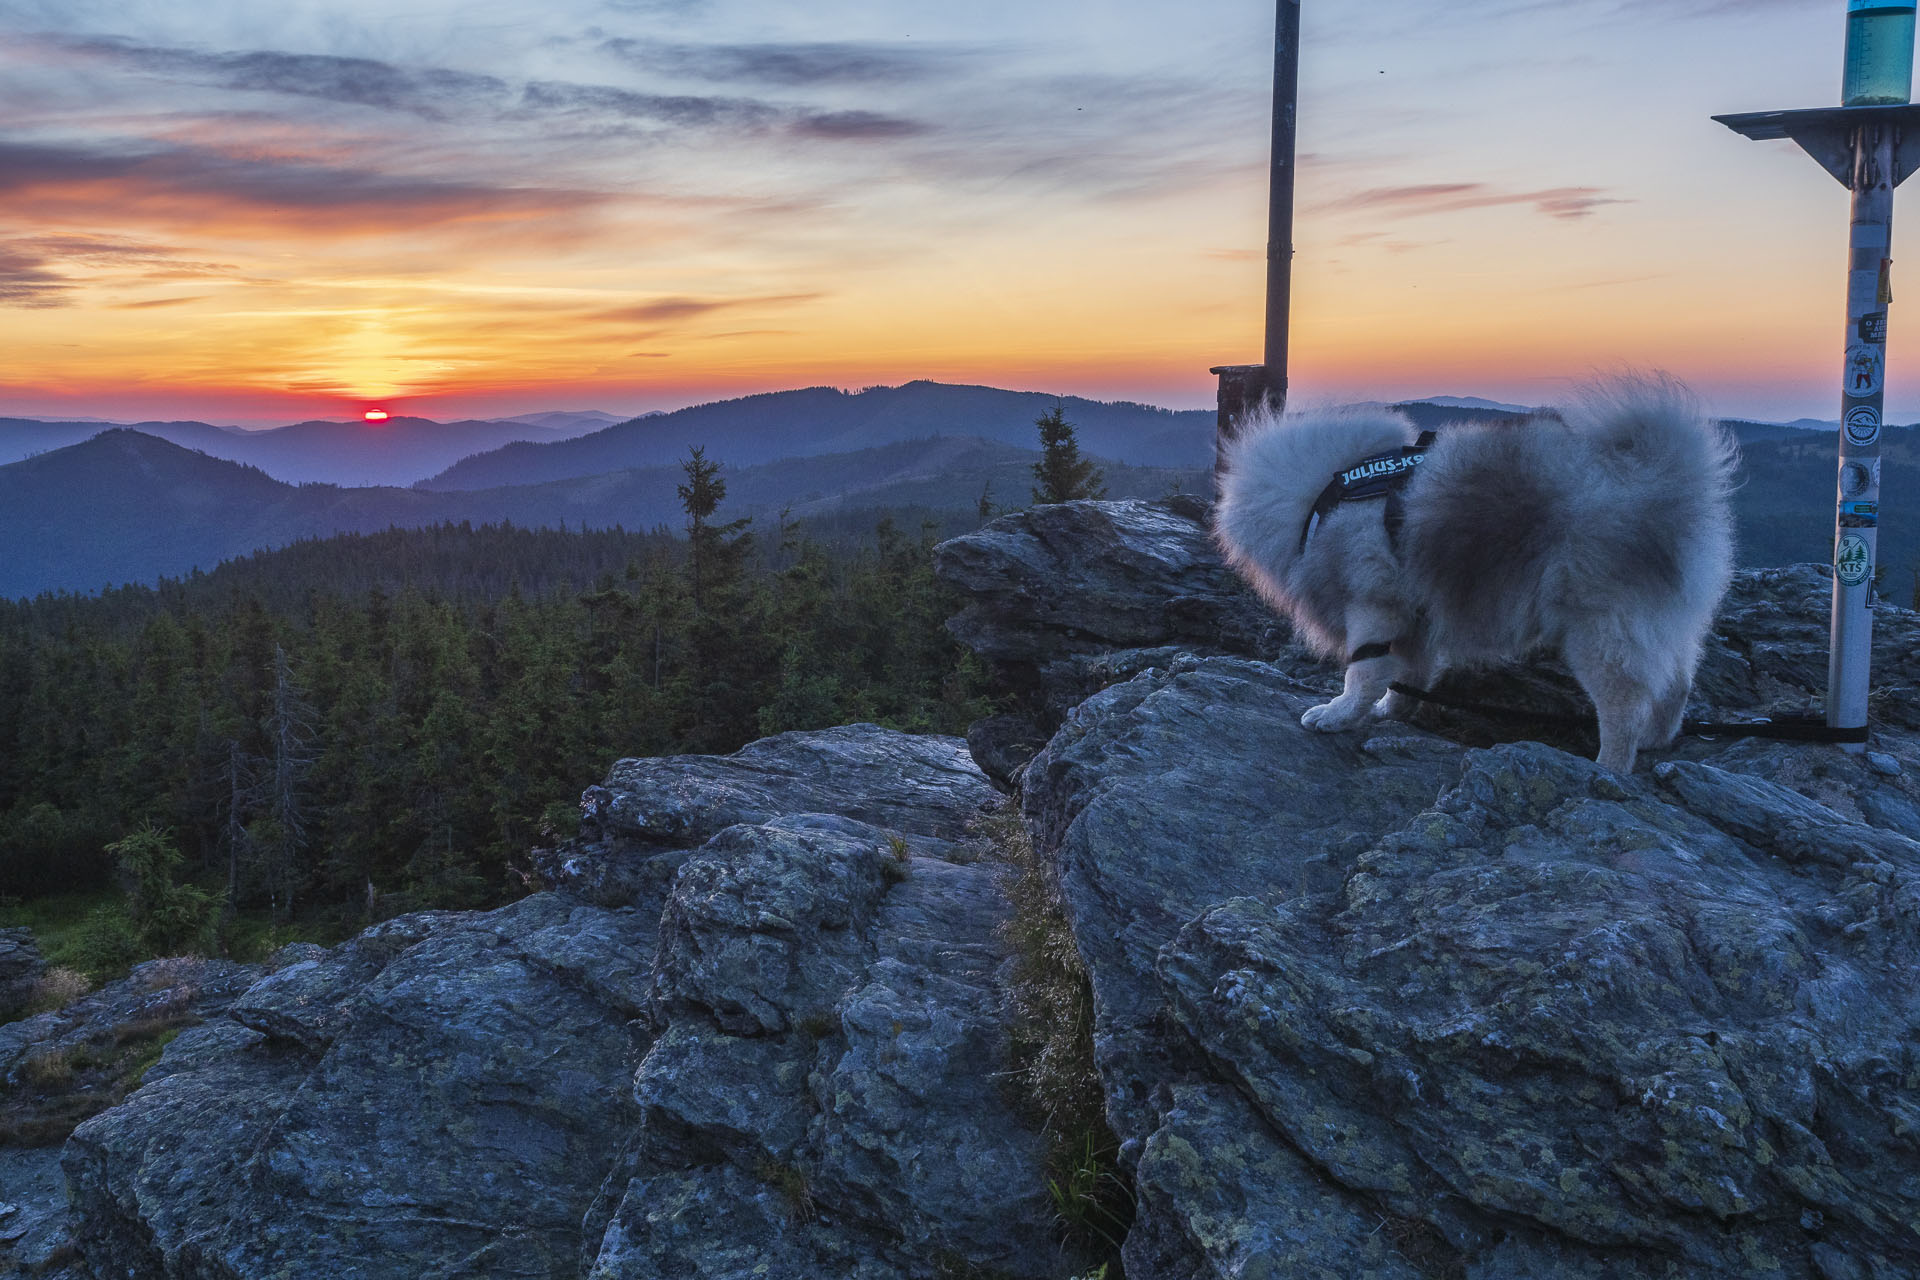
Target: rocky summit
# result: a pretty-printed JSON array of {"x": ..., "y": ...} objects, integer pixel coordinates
[{"x": 1420, "y": 1001}]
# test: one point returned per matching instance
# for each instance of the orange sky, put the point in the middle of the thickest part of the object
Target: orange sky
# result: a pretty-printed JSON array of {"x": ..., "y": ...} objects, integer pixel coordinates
[{"x": 496, "y": 207}]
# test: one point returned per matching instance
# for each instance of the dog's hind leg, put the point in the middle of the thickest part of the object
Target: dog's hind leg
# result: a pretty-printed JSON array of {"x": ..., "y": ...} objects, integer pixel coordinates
[
  {"x": 1417, "y": 669},
  {"x": 1622, "y": 698},
  {"x": 1669, "y": 712},
  {"x": 1371, "y": 667}
]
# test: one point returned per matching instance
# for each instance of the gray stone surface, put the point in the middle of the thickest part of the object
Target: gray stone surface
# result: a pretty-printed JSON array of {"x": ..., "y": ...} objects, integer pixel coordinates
[
  {"x": 160, "y": 992},
  {"x": 1089, "y": 577},
  {"x": 1505, "y": 1011},
  {"x": 20, "y": 966},
  {"x": 1164, "y": 794},
  {"x": 833, "y": 1036},
  {"x": 33, "y": 1214},
  {"x": 792, "y": 1055},
  {"x": 443, "y": 1100},
  {"x": 639, "y": 823}
]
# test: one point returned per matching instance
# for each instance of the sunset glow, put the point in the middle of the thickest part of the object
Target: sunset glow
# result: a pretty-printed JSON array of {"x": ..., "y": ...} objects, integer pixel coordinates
[
  {"x": 375, "y": 415},
  {"x": 239, "y": 214}
]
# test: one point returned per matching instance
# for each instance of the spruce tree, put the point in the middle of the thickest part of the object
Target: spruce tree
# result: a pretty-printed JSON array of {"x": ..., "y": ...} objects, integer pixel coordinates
[{"x": 1063, "y": 474}]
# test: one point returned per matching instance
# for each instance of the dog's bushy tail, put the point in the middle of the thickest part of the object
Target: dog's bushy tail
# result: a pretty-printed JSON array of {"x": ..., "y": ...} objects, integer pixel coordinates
[{"x": 1651, "y": 424}]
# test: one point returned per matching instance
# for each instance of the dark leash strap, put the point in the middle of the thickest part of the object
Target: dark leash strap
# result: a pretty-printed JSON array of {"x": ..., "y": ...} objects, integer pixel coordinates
[{"x": 1778, "y": 728}]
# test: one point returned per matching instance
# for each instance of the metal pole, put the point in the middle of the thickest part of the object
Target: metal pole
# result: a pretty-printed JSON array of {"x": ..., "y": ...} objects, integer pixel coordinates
[
  {"x": 1244, "y": 386},
  {"x": 1868, "y": 143},
  {"x": 1857, "y": 509},
  {"x": 1286, "y": 93}
]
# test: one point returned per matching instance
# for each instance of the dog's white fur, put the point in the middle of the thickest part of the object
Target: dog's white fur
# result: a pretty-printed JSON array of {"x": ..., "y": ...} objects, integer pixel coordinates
[{"x": 1604, "y": 534}]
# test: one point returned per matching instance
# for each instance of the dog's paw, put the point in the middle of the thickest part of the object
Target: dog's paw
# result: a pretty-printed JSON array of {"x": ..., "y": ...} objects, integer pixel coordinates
[
  {"x": 1332, "y": 717},
  {"x": 1392, "y": 706}
]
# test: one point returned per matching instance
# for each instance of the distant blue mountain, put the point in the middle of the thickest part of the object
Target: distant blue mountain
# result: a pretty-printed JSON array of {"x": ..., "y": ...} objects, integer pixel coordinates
[
  {"x": 822, "y": 420},
  {"x": 126, "y": 507},
  {"x": 397, "y": 451}
]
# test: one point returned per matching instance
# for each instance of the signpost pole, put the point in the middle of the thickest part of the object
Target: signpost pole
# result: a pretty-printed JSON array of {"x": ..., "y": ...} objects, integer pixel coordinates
[
  {"x": 1870, "y": 144},
  {"x": 1244, "y": 386},
  {"x": 1863, "y": 399},
  {"x": 1286, "y": 95}
]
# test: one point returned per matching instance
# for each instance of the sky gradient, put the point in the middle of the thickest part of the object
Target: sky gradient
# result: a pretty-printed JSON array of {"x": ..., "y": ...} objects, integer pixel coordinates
[{"x": 259, "y": 213}]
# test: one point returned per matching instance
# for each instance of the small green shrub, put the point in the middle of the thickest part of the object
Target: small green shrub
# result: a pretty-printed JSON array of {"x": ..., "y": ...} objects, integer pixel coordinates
[
  {"x": 1093, "y": 1202},
  {"x": 168, "y": 917},
  {"x": 791, "y": 1183},
  {"x": 819, "y": 1024},
  {"x": 137, "y": 1070},
  {"x": 105, "y": 945},
  {"x": 1051, "y": 1000}
]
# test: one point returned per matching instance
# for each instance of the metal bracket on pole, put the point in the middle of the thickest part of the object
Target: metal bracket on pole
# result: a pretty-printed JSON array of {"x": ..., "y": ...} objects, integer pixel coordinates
[{"x": 1826, "y": 134}]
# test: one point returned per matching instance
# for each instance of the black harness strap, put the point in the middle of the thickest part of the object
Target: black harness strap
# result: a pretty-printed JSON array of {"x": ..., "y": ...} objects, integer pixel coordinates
[
  {"x": 1378, "y": 649},
  {"x": 1381, "y": 476},
  {"x": 1780, "y": 729}
]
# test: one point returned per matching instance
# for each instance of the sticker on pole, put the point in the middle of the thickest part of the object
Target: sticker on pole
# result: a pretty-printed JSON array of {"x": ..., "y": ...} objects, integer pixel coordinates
[
  {"x": 1863, "y": 425},
  {"x": 1863, "y": 370},
  {"x": 1873, "y": 327},
  {"x": 1854, "y": 479},
  {"x": 1853, "y": 563}
]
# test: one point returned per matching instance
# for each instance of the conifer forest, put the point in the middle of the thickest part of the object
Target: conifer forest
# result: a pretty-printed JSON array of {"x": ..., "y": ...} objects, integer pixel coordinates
[{"x": 354, "y": 727}]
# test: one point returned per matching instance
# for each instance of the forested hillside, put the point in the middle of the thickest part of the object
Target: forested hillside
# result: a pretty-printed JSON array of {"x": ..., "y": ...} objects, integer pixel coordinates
[
  {"x": 125, "y": 507},
  {"x": 373, "y": 723}
]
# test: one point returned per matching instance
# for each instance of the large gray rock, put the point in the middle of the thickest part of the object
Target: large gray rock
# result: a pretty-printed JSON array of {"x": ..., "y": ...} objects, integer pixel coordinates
[
  {"x": 442, "y": 1096},
  {"x": 638, "y": 825},
  {"x": 1370, "y": 1007},
  {"x": 779, "y": 1044},
  {"x": 1086, "y": 578},
  {"x": 828, "y": 1078},
  {"x": 20, "y": 967},
  {"x": 33, "y": 1215}
]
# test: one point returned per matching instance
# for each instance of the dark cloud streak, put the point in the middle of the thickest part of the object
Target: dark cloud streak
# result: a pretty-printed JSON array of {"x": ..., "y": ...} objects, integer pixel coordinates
[
  {"x": 177, "y": 180},
  {"x": 1449, "y": 197},
  {"x": 31, "y": 274},
  {"x": 670, "y": 310},
  {"x": 433, "y": 92},
  {"x": 791, "y": 65},
  {"x": 442, "y": 94},
  {"x": 692, "y": 111}
]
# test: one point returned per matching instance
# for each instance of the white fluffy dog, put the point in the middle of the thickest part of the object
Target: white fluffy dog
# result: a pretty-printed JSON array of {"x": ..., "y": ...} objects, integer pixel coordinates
[{"x": 1603, "y": 533}]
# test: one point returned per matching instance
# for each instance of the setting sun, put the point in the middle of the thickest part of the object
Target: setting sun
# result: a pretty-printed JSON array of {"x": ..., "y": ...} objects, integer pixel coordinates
[{"x": 375, "y": 415}]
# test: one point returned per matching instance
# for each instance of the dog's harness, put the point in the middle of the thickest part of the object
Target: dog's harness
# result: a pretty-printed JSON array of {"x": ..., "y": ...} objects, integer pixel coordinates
[{"x": 1382, "y": 476}]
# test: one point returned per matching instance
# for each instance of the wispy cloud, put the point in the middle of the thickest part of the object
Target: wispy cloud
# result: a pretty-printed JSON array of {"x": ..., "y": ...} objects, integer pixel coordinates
[
  {"x": 183, "y": 183},
  {"x": 664, "y": 311},
  {"x": 793, "y": 65},
  {"x": 433, "y": 92},
  {"x": 1452, "y": 197},
  {"x": 39, "y": 271},
  {"x": 446, "y": 94},
  {"x": 858, "y": 126},
  {"x": 27, "y": 280},
  {"x": 690, "y": 110}
]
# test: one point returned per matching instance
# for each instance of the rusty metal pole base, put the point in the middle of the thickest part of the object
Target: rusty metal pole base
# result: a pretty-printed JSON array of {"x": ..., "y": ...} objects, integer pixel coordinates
[{"x": 1242, "y": 388}]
